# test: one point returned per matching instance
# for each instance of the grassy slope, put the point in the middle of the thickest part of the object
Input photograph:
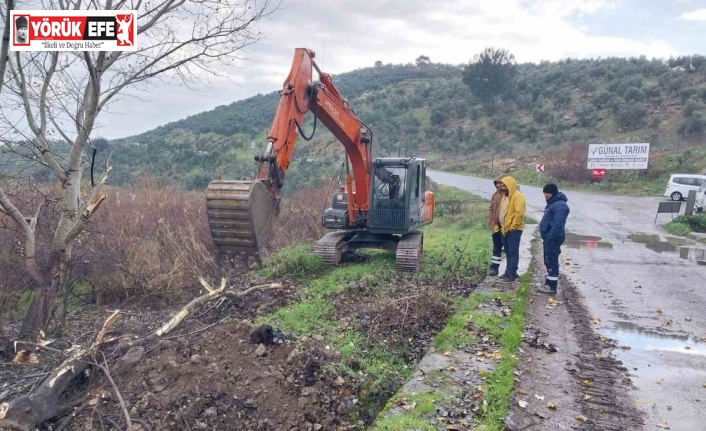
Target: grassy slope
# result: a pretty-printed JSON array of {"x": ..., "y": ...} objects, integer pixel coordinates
[
  {"x": 459, "y": 333},
  {"x": 456, "y": 245}
]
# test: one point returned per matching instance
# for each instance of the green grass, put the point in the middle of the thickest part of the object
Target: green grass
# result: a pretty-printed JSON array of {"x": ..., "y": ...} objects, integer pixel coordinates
[
  {"x": 423, "y": 404},
  {"x": 404, "y": 423},
  {"x": 457, "y": 246},
  {"x": 684, "y": 225},
  {"x": 500, "y": 383},
  {"x": 678, "y": 228},
  {"x": 302, "y": 318},
  {"x": 455, "y": 334},
  {"x": 297, "y": 261},
  {"x": 448, "y": 193}
]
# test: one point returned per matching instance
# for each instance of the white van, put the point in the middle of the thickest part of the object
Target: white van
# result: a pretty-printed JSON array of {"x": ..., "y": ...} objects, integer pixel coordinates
[
  {"x": 700, "y": 199},
  {"x": 679, "y": 185}
]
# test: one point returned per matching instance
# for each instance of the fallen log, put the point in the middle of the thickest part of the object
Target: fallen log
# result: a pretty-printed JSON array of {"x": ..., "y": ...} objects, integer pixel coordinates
[{"x": 26, "y": 412}]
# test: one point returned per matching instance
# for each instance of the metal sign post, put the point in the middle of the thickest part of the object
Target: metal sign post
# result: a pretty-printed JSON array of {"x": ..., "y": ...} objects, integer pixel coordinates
[{"x": 539, "y": 169}]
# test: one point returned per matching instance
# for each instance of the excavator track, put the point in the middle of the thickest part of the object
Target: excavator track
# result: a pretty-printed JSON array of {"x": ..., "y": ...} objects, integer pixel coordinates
[
  {"x": 240, "y": 216},
  {"x": 332, "y": 246},
  {"x": 409, "y": 251}
]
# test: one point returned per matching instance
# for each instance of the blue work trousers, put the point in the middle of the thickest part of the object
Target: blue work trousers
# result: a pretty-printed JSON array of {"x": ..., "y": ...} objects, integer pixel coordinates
[
  {"x": 511, "y": 242},
  {"x": 497, "y": 250},
  {"x": 552, "y": 250}
]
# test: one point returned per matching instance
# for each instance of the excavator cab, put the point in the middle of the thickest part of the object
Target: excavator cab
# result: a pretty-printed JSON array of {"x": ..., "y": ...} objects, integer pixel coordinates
[
  {"x": 397, "y": 194},
  {"x": 399, "y": 206}
]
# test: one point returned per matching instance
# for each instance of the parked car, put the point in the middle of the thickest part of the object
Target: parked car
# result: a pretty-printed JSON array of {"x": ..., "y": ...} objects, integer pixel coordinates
[
  {"x": 700, "y": 199},
  {"x": 679, "y": 185}
]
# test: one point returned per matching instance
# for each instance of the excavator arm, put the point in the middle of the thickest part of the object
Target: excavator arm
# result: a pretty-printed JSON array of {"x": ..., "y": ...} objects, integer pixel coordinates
[
  {"x": 242, "y": 213},
  {"x": 298, "y": 96}
]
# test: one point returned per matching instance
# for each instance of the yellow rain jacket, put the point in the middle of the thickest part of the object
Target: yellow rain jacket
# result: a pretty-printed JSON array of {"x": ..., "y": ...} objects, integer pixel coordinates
[{"x": 515, "y": 215}]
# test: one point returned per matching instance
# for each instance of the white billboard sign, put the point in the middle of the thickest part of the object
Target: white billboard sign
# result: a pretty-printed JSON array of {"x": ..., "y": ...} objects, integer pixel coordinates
[{"x": 618, "y": 156}]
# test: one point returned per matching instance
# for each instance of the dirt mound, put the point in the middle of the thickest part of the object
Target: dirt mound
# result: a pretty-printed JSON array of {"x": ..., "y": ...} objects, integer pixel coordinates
[{"x": 219, "y": 380}]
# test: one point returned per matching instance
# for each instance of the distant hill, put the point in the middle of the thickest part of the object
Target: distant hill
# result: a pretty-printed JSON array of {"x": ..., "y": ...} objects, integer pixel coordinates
[{"x": 429, "y": 110}]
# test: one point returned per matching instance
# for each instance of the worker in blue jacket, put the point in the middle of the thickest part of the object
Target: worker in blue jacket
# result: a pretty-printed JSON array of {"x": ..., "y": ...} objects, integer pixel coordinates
[{"x": 551, "y": 228}]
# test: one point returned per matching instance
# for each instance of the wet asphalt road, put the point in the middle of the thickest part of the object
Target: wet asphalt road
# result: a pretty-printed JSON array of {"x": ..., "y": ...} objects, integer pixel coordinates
[{"x": 643, "y": 291}]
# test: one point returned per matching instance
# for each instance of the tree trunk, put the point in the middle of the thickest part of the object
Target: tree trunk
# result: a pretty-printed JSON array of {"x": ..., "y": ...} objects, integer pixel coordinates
[{"x": 37, "y": 317}]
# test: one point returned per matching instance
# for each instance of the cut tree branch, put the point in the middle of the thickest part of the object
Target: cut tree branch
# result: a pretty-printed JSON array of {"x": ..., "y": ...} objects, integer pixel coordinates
[{"x": 212, "y": 294}]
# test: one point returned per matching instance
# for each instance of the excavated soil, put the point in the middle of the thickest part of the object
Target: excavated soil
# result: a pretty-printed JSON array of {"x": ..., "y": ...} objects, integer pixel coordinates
[
  {"x": 215, "y": 373},
  {"x": 220, "y": 380}
]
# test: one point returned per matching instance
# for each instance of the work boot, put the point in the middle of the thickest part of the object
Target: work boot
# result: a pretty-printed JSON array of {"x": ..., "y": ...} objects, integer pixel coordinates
[
  {"x": 506, "y": 278},
  {"x": 493, "y": 272},
  {"x": 546, "y": 289}
]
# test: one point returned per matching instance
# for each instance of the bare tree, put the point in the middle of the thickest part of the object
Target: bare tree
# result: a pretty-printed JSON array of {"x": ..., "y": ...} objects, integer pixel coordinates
[{"x": 52, "y": 99}]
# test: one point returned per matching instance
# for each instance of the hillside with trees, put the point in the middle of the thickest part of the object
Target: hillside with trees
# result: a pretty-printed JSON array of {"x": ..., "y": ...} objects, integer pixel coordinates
[{"x": 489, "y": 106}]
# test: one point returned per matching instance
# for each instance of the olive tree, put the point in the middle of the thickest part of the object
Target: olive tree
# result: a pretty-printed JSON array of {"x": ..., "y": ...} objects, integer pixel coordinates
[{"x": 490, "y": 73}]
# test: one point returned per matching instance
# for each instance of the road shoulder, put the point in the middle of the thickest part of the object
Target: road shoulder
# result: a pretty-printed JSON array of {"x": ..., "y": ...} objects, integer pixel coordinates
[{"x": 567, "y": 376}]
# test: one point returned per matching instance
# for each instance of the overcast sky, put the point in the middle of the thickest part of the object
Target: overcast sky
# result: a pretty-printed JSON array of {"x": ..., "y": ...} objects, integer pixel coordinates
[{"x": 352, "y": 34}]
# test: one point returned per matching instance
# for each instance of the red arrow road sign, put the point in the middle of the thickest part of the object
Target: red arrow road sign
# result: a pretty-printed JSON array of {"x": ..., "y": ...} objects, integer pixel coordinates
[
  {"x": 540, "y": 167},
  {"x": 598, "y": 173}
]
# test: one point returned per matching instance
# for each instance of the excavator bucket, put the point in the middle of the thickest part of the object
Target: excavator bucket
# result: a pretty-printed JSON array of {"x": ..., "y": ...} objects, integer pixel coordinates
[{"x": 240, "y": 216}]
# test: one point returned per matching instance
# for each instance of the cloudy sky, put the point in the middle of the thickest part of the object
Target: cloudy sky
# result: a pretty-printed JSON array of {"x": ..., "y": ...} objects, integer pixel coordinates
[{"x": 352, "y": 34}]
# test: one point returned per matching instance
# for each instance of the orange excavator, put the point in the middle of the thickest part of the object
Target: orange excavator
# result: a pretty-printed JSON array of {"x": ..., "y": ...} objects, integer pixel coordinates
[{"x": 383, "y": 204}]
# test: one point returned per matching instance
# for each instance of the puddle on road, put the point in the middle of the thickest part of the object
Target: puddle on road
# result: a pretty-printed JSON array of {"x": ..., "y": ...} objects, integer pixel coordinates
[
  {"x": 655, "y": 243},
  {"x": 671, "y": 246},
  {"x": 639, "y": 340},
  {"x": 586, "y": 242},
  {"x": 666, "y": 369}
]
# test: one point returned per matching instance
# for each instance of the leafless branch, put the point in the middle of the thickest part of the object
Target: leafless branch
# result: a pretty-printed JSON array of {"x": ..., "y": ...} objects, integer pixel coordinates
[
  {"x": 28, "y": 233},
  {"x": 118, "y": 395}
]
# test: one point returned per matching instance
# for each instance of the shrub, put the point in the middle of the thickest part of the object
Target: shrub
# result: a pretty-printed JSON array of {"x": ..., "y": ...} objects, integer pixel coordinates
[
  {"x": 686, "y": 93},
  {"x": 697, "y": 223},
  {"x": 147, "y": 241},
  {"x": 634, "y": 94},
  {"x": 585, "y": 115},
  {"x": 631, "y": 115},
  {"x": 562, "y": 98},
  {"x": 692, "y": 106},
  {"x": 676, "y": 227},
  {"x": 600, "y": 100},
  {"x": 542, "y": 115},
  {"x": 693, "y": 125},
  {"x": 571, "y": 165}
]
